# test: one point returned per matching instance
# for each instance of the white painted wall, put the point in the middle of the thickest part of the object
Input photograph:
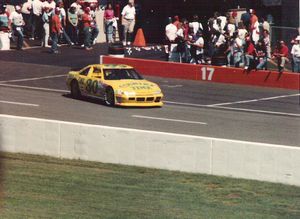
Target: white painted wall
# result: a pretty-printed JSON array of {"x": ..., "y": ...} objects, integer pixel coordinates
[{"x": 273, "y": 163}]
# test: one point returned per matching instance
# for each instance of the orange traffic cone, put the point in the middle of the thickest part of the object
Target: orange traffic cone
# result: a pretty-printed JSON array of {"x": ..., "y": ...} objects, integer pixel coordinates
[{"x": 139, "y": 38}]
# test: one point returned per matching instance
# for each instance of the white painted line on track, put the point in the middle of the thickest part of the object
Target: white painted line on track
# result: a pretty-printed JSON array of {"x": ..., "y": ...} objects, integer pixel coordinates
[
  {"x": 256, "y": 111},
  {"x": 35, "y": 88},
  {"x": 19, "y": 103},
  {"x": 185, "y": 104},
  {"x": 33, "y": 79},
  {"x": 171, "y": 120},
  {"x": 255, "y": 100}
]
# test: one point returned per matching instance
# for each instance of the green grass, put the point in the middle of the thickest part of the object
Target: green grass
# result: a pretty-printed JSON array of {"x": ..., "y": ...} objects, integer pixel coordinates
[{"x": 43, "y": 187}]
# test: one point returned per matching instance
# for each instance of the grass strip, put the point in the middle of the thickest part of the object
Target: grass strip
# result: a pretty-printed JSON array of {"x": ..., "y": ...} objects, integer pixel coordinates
[{"x": 44, "y": 187}]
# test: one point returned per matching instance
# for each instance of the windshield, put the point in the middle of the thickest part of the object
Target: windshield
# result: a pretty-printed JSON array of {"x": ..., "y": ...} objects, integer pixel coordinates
[{"x": 121, "y": 74}]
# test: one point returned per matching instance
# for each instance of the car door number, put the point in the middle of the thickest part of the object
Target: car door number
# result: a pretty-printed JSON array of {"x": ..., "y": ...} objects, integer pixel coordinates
[{"x": 91, "y": 86}]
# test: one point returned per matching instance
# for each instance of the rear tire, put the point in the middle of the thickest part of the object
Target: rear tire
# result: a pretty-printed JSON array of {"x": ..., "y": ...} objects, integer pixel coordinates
[
  {"x": 75, "y": 91},
  {"x": 110, "y": 97}
]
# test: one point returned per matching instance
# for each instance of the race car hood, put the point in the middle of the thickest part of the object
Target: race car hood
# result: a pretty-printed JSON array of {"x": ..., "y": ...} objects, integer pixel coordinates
[{"x": 137, "y": 86}]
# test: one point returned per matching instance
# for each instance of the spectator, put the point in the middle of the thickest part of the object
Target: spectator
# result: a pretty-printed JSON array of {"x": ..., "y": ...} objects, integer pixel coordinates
[
  {"x": 230, "y": 27},
  {"x": 265, "y": 25},
  {"x": 94, "y": 26},
  {"x": 109, "y": 17},
  {"x": 63, "y": 21},
  {"x": 198, "y": 47},
  {"x": 281, "y": 53},
  {"x": 77, "y": 7},
  {"x": 261, "y": 55},
  {"x": 128, "y": 22},
  {"x": 46, "y": 20},
  {"x": 245, "y": 18},
  {"x": 250, "y": 54},
  {"x": 50, "y": 4},
  {"x": 73, "y": 24},
  {"x": 170, "y": 32},
  {"x": 195, "y": 25},
  {"x": 86, "y": 20},
  {"x": 27, "y": 16},
  {"x": 296, "y": 55},
  {"x": 4, "y": 20},
  {"x": 56, "y": 29},
  {"x": 37, "y": 9},
  {"x": 267, "y": 41},
  {"x": 17, "y": 22},
  {"x": 254, "y": 28},
  {"x": 176, "y": 21}
]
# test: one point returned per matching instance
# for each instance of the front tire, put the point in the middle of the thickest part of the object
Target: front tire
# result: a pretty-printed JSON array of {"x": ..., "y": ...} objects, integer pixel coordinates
[
  {"x": 75, "y": 91},
  {"x": 110, "y": 97}
]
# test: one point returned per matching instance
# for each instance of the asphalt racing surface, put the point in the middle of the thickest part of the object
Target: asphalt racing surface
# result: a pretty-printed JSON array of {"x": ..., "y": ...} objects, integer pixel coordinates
[{"x": 32, "y": 84}]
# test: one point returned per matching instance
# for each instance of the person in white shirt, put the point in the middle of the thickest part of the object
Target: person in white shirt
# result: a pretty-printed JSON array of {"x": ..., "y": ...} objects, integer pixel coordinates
[
  {"x": 195, "y": 25},
  {"x": 296, "y": 55},
  {"x": 128, "y": 21},
  {"x": 171, "y": 36},
  {"x": 50, "y": 4},
  {"x": 197, "y": 49},
  {"x": 37, "y": 9},
  {"x": 17, "y": 22},
  {"x": 26, "y": 12}
]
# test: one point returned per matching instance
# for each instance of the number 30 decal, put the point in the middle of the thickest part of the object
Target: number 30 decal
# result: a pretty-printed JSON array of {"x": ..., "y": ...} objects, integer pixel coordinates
[
  {"x": 207, "y": 73},
  {"x": 91, "y": 86}
]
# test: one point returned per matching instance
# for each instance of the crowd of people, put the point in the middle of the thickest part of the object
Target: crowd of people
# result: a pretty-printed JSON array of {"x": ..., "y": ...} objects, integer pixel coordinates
[
  {"x": 229, "y": 41},
  {"x": 50, "y": 21}
]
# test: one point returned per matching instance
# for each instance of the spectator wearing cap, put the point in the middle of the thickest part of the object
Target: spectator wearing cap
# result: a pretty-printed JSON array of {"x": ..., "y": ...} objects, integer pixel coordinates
[
  {"x": 281, "y": 53},
  {"x": 37, "y": 10},
  {"x": 16, "y": 19},
  {"x": 296, "y": 55},
  {"x": 86, "y": 21},
  {"x": 128, "y": 22},
  {"x": 56, "y": 29},
  {"x": 73, "y": 24},
  {"x": 46, "y": 20}
]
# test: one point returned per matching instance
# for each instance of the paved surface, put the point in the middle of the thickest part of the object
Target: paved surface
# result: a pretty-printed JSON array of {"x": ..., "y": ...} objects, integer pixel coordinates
[{"x": 33, "y": 84}]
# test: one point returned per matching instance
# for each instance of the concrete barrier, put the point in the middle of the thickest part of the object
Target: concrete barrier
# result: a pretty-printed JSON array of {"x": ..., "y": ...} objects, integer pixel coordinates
[
  {"x": 207, "y": 73},
  {"x": 273, "y": 163}
]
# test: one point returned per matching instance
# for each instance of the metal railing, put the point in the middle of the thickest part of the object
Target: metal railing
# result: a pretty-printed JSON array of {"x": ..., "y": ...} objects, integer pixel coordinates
[{"x": 282, "y": 33}]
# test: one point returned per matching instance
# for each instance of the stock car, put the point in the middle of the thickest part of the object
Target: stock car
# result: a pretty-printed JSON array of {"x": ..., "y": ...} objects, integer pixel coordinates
[{"x": 119, "y": 85}]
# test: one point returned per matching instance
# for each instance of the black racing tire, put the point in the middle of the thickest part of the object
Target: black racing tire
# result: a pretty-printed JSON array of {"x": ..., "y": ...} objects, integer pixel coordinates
[
  {"x": 109, "y": 97},
  {"x": 75, "y": 91}
]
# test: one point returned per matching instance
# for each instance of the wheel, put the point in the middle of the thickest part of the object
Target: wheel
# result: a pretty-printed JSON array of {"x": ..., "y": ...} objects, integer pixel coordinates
[
  {"x": 110, "y": 97},
  {"x": 75, "y": 91}
]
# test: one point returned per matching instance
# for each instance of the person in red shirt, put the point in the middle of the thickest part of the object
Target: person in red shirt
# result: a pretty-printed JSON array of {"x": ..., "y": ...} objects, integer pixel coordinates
[
  {"x": 86, "y": 21},
  {"x": 281, "y": 54},
  {"x": 250, "y": 53},
  {"x": 56, "y": 29}
]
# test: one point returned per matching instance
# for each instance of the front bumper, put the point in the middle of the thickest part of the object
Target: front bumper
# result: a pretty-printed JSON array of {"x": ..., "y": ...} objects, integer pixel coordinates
[{"x": 146, "y": 101}]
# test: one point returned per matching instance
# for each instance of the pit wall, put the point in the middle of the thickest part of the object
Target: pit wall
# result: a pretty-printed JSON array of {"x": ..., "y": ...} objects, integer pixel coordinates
[
  {"x": 239, "y": 76},
  {"x": 257, "y": 161}
]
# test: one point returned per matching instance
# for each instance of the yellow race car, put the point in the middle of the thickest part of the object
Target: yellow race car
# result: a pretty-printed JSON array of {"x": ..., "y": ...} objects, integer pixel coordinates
[{"x": 115, "y": 84}]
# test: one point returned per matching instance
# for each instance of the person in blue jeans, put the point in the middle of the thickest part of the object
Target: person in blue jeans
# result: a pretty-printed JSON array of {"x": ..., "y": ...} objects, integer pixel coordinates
[
  {"x": 56, "y": 29},
  {"x": 17, "y": 22},
  {"x": 261, "y": 55}
]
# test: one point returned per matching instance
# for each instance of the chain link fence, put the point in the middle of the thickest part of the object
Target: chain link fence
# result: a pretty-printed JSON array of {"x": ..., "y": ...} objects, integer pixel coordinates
[{"x": 283, "y": 33}]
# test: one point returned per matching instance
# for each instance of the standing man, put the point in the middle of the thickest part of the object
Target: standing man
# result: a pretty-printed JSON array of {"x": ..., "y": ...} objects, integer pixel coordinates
[
  {"x": 296, "y": 55},
  {"x": 37, "y": 10},
  {"x": 17, "y": 22},
  {"x": 27, "y": 16},
  {"x": 56, "y": 29},
  {"x": 86, "y": 21},
  {"x": 128, "y": 22}
]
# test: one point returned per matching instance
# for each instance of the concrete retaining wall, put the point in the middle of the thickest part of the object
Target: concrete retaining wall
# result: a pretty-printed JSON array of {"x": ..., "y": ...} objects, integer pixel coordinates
[{"x": 194, "y": 154}]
